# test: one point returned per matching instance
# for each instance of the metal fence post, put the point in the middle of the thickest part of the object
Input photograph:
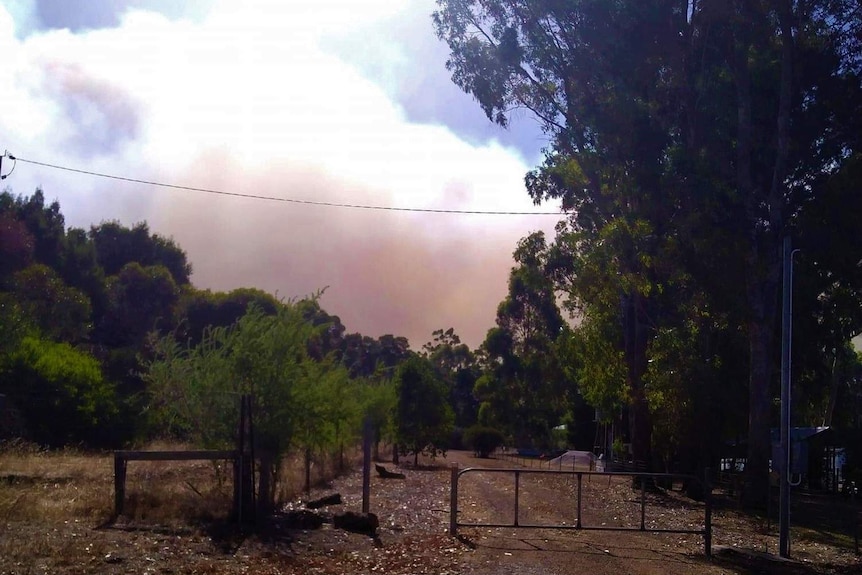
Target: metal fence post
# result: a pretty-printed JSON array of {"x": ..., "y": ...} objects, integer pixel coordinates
[
  {"x": 517, "y": 494},
  {"x": 643, "y": 503},
  {"x": 580, "y": 481},
  {"x": 453, "y": 501}
]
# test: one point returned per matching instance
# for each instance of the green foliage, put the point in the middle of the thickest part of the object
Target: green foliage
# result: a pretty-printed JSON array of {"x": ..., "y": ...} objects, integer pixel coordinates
[
  {"x": 379, "y": 403},
  {"x": 365, "y": 356},
  {"x": 122, "y": 289},
  {"x": 199, "y": 309},
  {"x": 619, "y": 450},
  {"x": 458, "y": 367},
  {"x": 424, "y": 420},
  {"x": 600, "y": 369},
  {"x": 61, "y": 312},
  {"x": 16, "y": 246},
  {"x": 80, "y": 269},
  {"x": 139, "y": 300},
  {"x": 298, "y": 401},
  {"x": 523, "y": 385},
  {"x": 685, "y": 143},
  {"x": 483, "y": 440},
  {"x": 44, "y": 224},
  {"x": 117, "y": 246},
  {"x": 15, "y": 325},
  {"x": 693, "y": 393},
  {"x": 331, "y": 407},
  {"x": 60, "y": 391}
]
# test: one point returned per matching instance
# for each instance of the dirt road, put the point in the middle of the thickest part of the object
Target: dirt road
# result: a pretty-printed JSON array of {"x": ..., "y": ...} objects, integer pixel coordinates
[{"x": 489, "y": 498}]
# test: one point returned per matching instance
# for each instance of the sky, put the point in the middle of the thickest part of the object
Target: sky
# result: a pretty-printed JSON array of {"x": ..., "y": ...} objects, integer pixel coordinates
[{"x": 330, "y": 101}]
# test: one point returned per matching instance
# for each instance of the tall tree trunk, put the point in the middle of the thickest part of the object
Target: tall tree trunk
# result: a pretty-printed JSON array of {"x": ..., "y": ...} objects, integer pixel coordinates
[
  {"x": 763, "y": 262},
  {"x": 307, "y": 469},
  {"x": 265, "y": 487},
  {"x": 636, "y": 337},
  {"x": 834, "y": 384},
  {"x": 640, "y": 425},
  {"x": 759, "y": 402}
]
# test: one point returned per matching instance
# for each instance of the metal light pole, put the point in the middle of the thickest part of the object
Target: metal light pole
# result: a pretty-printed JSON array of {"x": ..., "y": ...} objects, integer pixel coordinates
[{"x": 786, "y": 333}]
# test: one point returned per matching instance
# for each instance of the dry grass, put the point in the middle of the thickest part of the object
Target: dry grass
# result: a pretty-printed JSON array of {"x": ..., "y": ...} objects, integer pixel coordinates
[
  {"x": 49, "y": 486},
  {"x": 56, "y": 507},
  {"x": 40, "y": 485},
  {"x": 323, "y": 470}
]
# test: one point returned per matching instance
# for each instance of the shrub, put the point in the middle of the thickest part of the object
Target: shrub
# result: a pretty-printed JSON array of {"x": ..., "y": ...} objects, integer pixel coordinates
[
  {"x": 483, "y": 440},
  {"x": 60, "y": 392}
]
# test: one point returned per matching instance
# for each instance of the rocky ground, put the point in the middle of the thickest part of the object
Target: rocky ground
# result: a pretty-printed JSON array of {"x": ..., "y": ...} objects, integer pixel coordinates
[{"x": 413, "y": 536}]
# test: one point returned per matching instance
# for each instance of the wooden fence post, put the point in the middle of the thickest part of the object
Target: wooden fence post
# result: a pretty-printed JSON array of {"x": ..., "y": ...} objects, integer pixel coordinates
[
  {"x": 119, "y": 483},
  {"x": 453, "y": 501},
  {"x": 366, "y": 465}
]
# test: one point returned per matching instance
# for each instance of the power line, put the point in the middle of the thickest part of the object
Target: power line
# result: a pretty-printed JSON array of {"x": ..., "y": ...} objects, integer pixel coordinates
[{"x": 277, "y": 199}]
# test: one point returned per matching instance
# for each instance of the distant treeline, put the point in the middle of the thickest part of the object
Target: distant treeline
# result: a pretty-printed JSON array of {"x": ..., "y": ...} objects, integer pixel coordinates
[{"x": 83, "y": 314}]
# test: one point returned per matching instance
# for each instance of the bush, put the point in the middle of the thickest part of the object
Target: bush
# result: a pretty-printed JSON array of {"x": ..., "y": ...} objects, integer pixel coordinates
[
  {"x": 483, "y": 440},
  {"x": 60, "y": 392}
]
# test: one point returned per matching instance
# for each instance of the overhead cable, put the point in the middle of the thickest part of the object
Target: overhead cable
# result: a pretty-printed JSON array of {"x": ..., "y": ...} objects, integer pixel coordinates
[{"x": 278, "y": 199}]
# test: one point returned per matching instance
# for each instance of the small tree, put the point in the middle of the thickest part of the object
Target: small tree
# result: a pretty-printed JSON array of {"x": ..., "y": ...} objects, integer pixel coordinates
[
  {"x": 483, "y": 440},
  {"x": 424, "y": 418},
  {"x": 299, "y": 402},
  {"x": 379, "y": 402}
]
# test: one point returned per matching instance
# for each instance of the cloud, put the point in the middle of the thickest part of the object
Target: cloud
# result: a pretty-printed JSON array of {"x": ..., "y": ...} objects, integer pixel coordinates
[
  {"x": 94, "y": 14},
  {"x": 253, "y": 99},
  {"x": 388, "y": 50},
  {"x": 101, "y": 117}
]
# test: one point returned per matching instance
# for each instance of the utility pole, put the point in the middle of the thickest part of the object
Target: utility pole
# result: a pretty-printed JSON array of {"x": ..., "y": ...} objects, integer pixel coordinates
[{"x": 784, "y": 466}]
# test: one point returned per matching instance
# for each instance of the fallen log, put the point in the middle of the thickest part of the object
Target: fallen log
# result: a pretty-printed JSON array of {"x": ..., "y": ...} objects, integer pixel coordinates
[
  {"x": 302, "y": 519},
  {"x": 365, "y": 523},
  {"x": 334, "y": 499},
  {"x": 386, "y": 474}
]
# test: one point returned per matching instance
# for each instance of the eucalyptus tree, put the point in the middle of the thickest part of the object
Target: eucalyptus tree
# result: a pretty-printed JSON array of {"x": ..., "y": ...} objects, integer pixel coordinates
[
  {"x": 457, "y": 365},
  {"x": 522, "y": 387},
  {"x": 424, "y": 420},
  {"x": 571, "y": 65},
  {"x": 667, "y": 117},
  {"x": 118, "y": 245}
]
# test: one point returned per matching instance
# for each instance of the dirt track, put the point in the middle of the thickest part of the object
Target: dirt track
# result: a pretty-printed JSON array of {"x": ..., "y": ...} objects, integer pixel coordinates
[
  {"x": 413, "y": 538},
  {"x": 489, "y": 497},
  {"x": 740, "y": 544}
]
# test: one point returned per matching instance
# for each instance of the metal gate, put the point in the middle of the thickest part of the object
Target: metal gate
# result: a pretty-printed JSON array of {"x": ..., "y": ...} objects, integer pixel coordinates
[{"x": 705, "y": 532}]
